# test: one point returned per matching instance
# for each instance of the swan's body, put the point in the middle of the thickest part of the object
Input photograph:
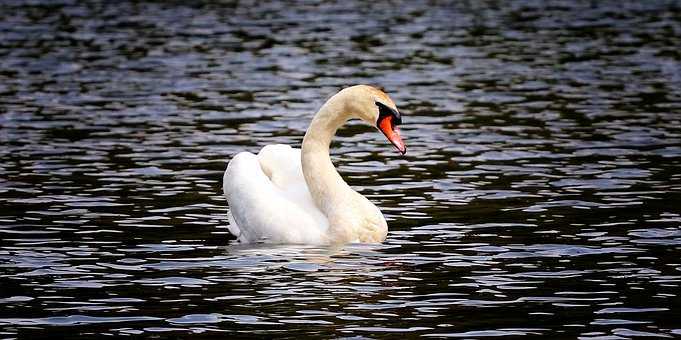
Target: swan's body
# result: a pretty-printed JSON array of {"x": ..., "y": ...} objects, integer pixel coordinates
[{"x": 287, "y": 195}]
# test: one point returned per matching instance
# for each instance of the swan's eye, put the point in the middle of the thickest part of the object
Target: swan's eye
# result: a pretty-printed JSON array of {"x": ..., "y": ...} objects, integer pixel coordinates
[{"x": 384, "y": 111}]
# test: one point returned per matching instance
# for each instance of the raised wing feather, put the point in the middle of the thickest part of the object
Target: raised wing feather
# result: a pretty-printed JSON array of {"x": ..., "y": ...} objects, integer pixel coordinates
[{"x": 269, "y": 199}]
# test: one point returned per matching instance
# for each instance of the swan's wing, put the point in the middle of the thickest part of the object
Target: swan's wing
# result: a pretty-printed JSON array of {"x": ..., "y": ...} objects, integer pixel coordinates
[
  {"x": 282, "y": 164},
  {"x": 269, "y": 200}
]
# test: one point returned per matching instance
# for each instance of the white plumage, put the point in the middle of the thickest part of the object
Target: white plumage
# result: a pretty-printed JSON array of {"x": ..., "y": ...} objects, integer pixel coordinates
[
  {"x": 267, "y": 194},
  {"x": 287, "y": 195}
]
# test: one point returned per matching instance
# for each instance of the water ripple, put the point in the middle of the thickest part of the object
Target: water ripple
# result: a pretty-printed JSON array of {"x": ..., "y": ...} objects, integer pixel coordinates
[{"x": 539, "y": 196}]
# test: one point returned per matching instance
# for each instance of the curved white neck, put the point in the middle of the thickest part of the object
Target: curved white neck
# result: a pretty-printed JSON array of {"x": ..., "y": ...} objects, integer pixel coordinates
[{"x": 325, "y": 184}]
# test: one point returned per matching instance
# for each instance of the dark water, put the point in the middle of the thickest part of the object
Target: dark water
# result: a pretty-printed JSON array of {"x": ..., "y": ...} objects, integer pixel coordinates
[{"x": 540, "y": 196}]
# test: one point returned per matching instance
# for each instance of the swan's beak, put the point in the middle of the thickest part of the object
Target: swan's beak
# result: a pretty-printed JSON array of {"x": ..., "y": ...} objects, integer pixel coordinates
[{"x": 387, "y": 125}]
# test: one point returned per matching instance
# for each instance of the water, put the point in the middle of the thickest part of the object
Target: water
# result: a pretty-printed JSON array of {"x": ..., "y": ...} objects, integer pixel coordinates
[{"x": 539, "y": 196}]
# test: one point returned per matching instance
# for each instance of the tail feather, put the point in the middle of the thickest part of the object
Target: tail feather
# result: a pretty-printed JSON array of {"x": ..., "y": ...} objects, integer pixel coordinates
[{"x": 233, "y": 227}]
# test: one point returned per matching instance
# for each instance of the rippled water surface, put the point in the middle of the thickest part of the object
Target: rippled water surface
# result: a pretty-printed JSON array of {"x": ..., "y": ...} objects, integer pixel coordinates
[{"x": 540, "y": 195}]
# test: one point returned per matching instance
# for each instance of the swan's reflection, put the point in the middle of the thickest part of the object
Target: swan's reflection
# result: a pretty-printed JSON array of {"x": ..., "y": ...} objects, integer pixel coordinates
[{"x": 327, "y": 256}]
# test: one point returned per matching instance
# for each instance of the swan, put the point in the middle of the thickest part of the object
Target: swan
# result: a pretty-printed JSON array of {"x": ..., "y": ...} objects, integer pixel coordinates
[{"x": 284, "y": 195}]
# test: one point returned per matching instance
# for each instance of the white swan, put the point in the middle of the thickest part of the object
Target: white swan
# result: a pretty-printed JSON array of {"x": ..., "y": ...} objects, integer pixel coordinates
[{"x": 285, "y": 195}]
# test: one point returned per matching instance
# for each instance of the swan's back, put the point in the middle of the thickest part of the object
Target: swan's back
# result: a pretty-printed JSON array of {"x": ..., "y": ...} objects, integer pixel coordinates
[{"x": 269, "y": 200}]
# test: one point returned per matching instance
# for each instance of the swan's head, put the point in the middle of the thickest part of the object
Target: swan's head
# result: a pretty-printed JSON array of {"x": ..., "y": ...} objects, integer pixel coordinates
[{"x": 377, "y": 109}]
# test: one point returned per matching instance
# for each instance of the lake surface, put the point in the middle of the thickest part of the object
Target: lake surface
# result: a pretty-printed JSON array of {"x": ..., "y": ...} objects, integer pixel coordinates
[{"x": 540, "y": 194}]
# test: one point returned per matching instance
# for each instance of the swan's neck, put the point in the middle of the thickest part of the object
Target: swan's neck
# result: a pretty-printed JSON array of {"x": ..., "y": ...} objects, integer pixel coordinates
[{"x": 325, "y": 184}]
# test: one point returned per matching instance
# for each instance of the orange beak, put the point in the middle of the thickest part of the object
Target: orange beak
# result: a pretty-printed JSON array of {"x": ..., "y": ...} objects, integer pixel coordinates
[{"x": 392, "y": 132}]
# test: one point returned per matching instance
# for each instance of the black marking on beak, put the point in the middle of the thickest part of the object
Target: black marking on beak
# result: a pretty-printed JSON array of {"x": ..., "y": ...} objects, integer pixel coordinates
[{"x": 384, "y": 111}]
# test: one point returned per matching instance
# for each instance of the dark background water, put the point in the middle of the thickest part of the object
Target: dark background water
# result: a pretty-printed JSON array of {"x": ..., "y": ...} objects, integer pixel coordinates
[{"x": 540, "y": 196}]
